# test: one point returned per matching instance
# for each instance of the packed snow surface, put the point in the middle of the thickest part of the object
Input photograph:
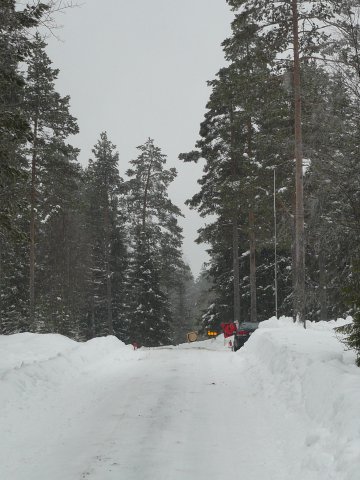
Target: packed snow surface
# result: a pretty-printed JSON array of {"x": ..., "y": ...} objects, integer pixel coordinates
[{"x": 284, "y": 407}]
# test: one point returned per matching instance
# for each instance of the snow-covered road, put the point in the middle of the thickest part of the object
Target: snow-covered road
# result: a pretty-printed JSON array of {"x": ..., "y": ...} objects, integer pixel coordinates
[
  {"x": 102, "y": 411},
  {"x": 174, "y": 416}
]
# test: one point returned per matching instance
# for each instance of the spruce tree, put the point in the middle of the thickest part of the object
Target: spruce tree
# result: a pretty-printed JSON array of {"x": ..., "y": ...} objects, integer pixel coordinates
[
  {"x": 203, "y": 296},
  {"x": 351, "y": 331},
  {"x": 150, "y": 315},
  {"x": 182, "y": 302},
  {"x": 157, "y": 241},
  {"x": 107, "y": 237},
  {"x": 59, "y": 241}
]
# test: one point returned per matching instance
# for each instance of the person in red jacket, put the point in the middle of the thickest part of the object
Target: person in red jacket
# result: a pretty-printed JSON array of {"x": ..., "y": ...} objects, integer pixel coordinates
[{"x": 228, "y": 329}]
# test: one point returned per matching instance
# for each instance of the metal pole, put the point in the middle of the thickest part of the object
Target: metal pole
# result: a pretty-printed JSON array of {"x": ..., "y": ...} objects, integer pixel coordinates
[{"x": 275, "y": 247}]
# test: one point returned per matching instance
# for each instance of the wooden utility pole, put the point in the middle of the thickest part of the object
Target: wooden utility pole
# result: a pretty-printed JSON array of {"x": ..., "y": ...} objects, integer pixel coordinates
[
  {"x": 299, "y": 293},
  {"x": 235, "y": 232}
]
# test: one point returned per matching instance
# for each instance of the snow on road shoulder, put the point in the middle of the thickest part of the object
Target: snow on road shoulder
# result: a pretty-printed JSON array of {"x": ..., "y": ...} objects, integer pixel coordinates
[
  {"x": 309, "y": 374},
  {"x": 24, "y": 350},
  {"x": 32, "y": 364},
  {"x": 72, "y": 410},
  {"x": 50, "y": 389}
]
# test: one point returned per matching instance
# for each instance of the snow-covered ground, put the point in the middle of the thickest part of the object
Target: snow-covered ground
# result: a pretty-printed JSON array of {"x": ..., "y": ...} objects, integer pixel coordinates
[{"x": 284, "y": 407}]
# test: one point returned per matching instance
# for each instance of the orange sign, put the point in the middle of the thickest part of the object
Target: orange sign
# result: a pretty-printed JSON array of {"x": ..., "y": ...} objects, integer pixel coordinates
[{"x": 212, "y": 333}]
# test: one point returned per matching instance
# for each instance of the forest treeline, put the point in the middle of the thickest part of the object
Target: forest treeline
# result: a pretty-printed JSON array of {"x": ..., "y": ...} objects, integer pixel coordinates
[
  {"x": 83, "y": 252},
  {"x": 251, "y": 142}
]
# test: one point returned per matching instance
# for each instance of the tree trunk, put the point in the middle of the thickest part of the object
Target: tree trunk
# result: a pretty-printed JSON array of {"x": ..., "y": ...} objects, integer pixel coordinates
[
  {"x": 182, "y": 320},
  {"x": 253, "y": 307},
  {"x": 92, "y": 319},
  {"x": 275, "y": 250},
  {"x": 69, "y": 275},
  {"x": 293, "y": 256},
  {"x": 108, "y": 270},
  {"x": 32, "y": 228},
  {"x": 354, "y": 39},
  {"x": 67, "y": 294},
  {"x": 236, "y": 271},
  {"x": 322, "y": 282},
  {"x": 1, "y": 288},
  {"x": 253, "y": 310},
  {"x": 146, "y": 189},
  {"x": 235, "y": 233},
  {"x": 299, "y": 208}
]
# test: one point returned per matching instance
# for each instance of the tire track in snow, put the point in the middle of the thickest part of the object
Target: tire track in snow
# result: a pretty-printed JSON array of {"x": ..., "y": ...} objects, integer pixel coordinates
[{"x": 184, "y": 420}]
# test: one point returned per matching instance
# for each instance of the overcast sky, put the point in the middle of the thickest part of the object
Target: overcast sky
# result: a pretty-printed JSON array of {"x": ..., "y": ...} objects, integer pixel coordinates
[{"x": 138, "y": 69}]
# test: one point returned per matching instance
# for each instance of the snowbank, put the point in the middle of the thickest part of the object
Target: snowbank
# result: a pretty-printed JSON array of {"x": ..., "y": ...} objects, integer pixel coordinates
[
  {"x": 23, "y": 350},
  {"x": 27, "y": 348},
  {"x": 30, "y": 360},
  {"x": 293, "y": 395},
  {"x": 309, "y": 374},
  {"x": 51, "y": 388}
]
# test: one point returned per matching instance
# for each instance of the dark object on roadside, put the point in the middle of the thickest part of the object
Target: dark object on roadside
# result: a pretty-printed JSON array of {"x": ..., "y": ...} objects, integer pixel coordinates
[{"x": 243, "y": 333}]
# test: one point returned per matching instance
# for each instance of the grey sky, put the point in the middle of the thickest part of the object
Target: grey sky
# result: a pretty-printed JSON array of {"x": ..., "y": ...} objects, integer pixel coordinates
[{"x": 138, "y": 69}]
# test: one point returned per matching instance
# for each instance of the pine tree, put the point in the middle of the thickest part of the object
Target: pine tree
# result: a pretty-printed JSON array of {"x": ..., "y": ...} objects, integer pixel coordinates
[
  {"x": 299, "y": 27},
  {"x": 327, "y": 128},
  {"x": 15, "y": 47},
  {"x": 241, "y": 146},
  {"x": 250, "y": 59},
  {"x": 49, "y": 117},
  {"x": 222, "y": 145}
]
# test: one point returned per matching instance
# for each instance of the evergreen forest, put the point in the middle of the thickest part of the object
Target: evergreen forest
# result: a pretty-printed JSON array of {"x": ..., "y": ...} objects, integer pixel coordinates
[{"x": 85, "y": 252}]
